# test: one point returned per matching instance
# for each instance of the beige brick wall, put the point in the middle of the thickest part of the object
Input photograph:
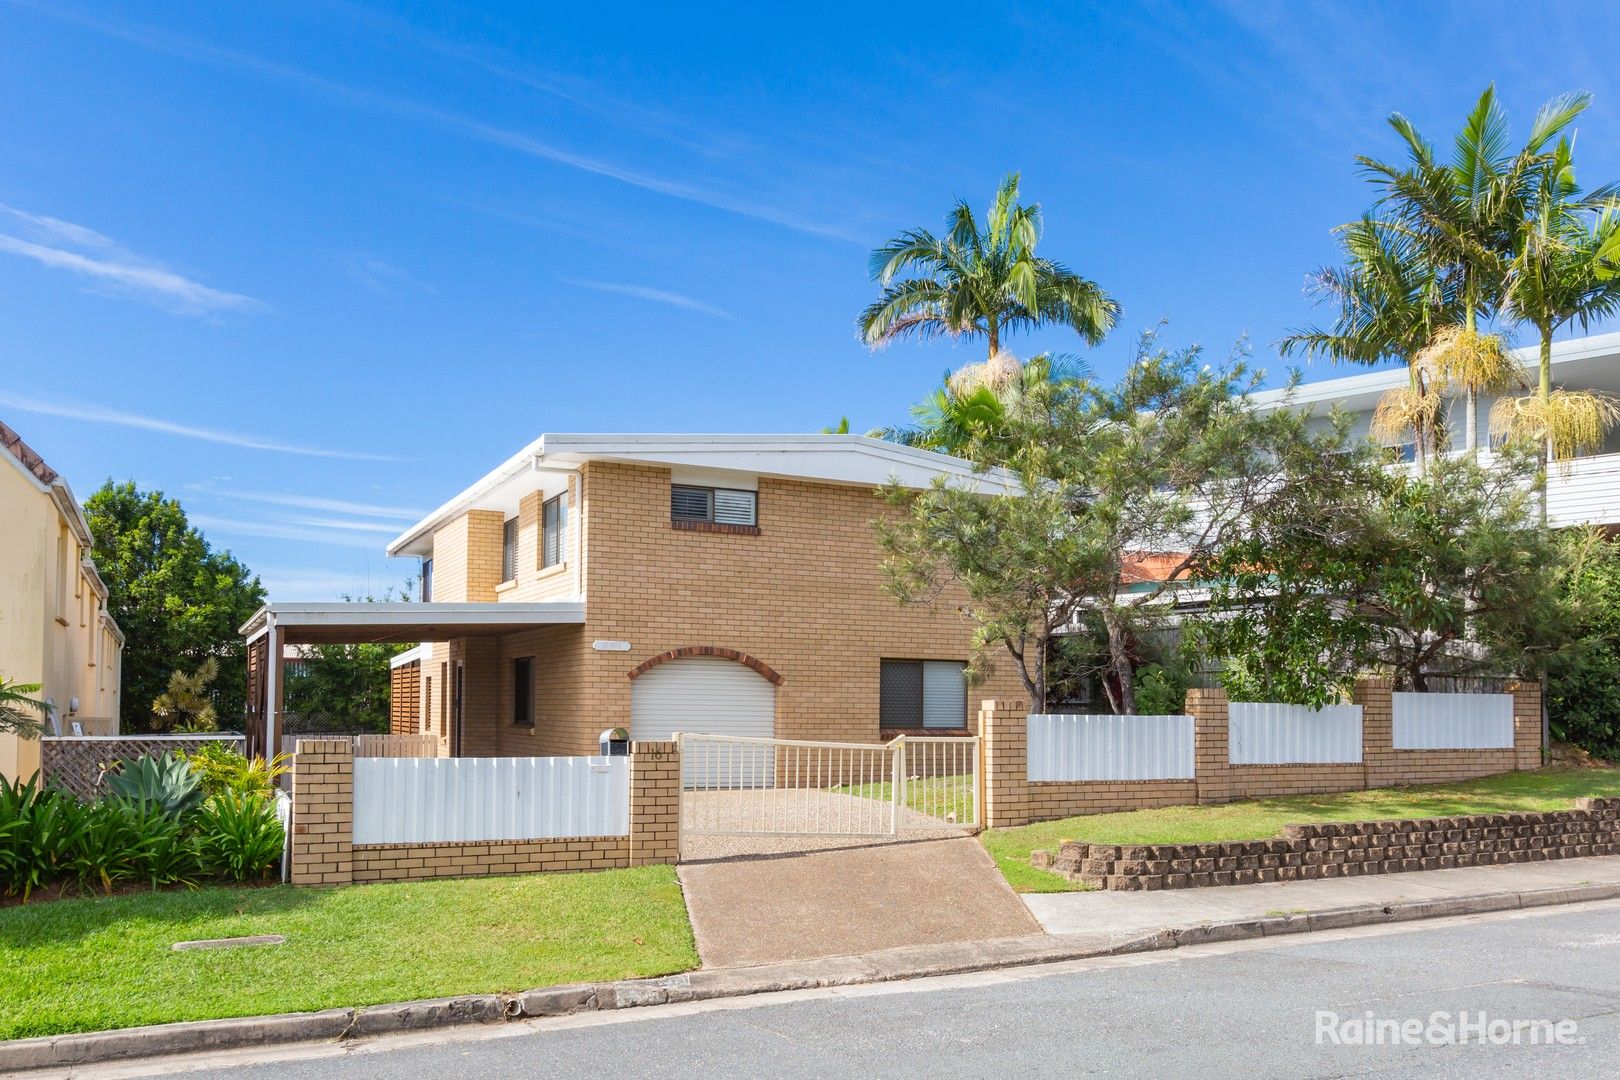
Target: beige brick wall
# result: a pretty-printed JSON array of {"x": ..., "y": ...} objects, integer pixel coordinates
[{"x": 414, "y": 862}]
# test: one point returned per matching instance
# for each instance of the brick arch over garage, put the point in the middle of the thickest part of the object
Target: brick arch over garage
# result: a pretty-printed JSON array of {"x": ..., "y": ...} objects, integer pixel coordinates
[{"x": 707, "y": 650}]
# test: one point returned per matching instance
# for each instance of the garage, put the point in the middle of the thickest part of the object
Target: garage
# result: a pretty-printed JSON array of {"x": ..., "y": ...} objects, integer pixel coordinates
[{"x": 709, "y": 696}]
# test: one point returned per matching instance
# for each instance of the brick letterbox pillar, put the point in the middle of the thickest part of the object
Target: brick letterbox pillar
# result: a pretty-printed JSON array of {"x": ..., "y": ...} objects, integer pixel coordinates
[
  {"x": 655, "y": 803},
  {"x": 1208, "y": 706}
]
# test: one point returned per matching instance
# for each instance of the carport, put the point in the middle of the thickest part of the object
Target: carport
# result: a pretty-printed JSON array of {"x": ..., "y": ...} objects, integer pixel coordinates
[{"x": 275, "y": 626}]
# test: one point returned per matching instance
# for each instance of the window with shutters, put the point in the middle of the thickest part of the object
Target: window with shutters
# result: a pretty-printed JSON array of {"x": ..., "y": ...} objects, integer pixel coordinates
[
  {"x": 922, "y": 694},
  {"x": 713, "y": 506},
  {"x": 509, "y": 544},
  {"x": 553, "y": 530},
  {"x": 523, "y": 691}
]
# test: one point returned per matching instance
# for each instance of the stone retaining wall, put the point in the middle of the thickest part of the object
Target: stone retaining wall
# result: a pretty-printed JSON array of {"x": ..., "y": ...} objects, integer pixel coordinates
[{"x": 1352, "y": 849}]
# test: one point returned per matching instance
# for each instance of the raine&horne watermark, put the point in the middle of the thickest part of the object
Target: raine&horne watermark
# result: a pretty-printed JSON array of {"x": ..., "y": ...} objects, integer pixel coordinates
[{"x": 1441, "y": 1028}]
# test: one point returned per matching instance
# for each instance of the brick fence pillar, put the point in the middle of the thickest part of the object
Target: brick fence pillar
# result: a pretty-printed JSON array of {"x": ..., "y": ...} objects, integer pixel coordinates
[
  {"x": 323, "y": 812},
  {"x": 655, "y": 803},
  {"x": 1526, "y": 724},
  {"x": 1377, "y": 701},
  {"x": 1208, "y": 707},
  {"x": 1004, "y": 745}
]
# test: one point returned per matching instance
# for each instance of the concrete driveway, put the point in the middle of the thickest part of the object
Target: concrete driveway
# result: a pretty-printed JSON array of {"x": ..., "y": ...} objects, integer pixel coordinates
[{"x": 831, "y": 897}]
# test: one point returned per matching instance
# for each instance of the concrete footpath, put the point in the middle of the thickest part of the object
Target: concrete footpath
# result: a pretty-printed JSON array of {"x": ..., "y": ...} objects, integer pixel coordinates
[
  {"x": 1182, "y": 917},
  {"x": 1127, "y": 913}
]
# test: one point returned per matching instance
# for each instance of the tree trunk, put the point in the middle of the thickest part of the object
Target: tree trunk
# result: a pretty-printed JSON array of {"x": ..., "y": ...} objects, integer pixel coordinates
[
  {"x": 1544, "y": 391},
  {"x": 1119, "y": 662}
]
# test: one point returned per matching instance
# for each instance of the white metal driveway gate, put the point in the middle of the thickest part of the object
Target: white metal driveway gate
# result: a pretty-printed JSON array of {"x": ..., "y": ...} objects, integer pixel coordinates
[{"x": 738, "y": 786}]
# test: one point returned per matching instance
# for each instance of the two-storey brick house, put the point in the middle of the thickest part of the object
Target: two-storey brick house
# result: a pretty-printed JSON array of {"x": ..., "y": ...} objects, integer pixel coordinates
[{"x": 727, "y": 584}]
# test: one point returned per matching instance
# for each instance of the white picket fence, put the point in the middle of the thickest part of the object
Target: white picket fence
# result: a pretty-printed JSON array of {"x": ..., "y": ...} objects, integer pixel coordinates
[
  {"x": 1453, "y": 721},
  {"x": 430, "y": 800},
  {"x": 1105, "y": 747},
  {"x": 1265, "y": 733}
]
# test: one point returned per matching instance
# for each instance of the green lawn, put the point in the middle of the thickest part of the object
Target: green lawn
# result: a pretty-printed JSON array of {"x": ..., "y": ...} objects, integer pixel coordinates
[
  {"x": 89, "y": 964},
  {"x": 1548, "y": 789}
]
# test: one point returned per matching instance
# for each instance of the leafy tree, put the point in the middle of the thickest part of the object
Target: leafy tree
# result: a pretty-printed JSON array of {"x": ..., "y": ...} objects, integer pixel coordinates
[
  {"x": 178, "y": 600},
  {"x": 21, "y": 713},
  {"x": 981, "y": 281},
  {"x": 187, "y": 704},
  {"x": 344, "y": 687},
  {"x": 1583, "y": 685},
  {"x": 1443, "y": 574},
  {"x": 1122, "y": 490}
]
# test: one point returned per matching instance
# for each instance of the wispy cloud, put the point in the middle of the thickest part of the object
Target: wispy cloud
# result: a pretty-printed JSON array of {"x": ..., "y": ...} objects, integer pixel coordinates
[
  {"x": 96, "y": 414},
  {"x": 335, "y": 506},
  {"x": 346, "y": 525},
  {"x": 112, "y": 267},
  {"x": 277, "y": 531},
  {"x": 656, "y": 296},
  {"x": 466, "y": 126},
  {"x": 380, "y": 277}
]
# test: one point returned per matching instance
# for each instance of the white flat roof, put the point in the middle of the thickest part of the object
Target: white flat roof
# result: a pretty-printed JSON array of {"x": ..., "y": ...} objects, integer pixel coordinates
[
  {"x": 341, "y": 623},
  {"x": 1573, "y": 358},
  {"x": 834, "y": 459}
]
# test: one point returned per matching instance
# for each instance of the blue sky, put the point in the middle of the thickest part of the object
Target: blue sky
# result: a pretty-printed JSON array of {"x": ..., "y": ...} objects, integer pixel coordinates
[{"x": 312, "y": 268}]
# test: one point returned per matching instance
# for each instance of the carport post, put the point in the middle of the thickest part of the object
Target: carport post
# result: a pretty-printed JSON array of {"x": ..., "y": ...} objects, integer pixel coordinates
[{"x": 272, "y": 684}]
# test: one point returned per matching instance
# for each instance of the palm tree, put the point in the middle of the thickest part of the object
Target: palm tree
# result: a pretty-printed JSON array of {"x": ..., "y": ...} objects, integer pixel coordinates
[
  {"x": 1554, "y": 280},
  {"x": 981, "y": 282},
  {"x": 1390, "y": 301},
  {"x": 1465, "y": 215},
  {"x": 20, "y": 712}
]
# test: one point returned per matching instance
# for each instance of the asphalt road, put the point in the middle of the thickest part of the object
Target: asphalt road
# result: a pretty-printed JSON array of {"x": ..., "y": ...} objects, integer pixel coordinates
[{"x": 1209, "y": 1012}]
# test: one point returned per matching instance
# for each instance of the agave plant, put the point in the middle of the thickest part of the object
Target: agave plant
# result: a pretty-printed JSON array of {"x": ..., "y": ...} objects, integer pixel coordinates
[{"x": 165, "y": 781}]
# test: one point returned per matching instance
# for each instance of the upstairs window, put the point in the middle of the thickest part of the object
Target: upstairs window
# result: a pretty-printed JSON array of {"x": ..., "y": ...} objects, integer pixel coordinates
[
  {"x": 427, "y": 581},
  {"x": 509, "y": 538},
  {"x": 553, "y": 526},
  {"x": 719, "y": 506},
  {"x": 922, "y": 694}
]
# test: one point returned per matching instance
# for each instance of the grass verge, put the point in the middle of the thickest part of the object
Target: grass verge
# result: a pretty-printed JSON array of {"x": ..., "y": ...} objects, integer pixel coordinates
[
  {"x": 1258, "y": 819},
  {"x": 96, "y": 963}
]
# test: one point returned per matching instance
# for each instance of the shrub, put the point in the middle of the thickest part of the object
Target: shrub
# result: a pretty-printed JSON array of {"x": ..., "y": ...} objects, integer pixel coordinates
[
  {"x": 241, "y": 836},
  {"x": 1583, "y": 688},
  {"x": 165, "y": 781},
  {"x": 113, "y": 846},
  {"x": 40, "y": 829},
  {"x": 219, "y": 768}
]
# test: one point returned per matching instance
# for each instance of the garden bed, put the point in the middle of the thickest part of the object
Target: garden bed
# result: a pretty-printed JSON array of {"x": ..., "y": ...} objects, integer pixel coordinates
[
  {"x": 107, "y": 962},
  {"x": 1262, "y": 819}
]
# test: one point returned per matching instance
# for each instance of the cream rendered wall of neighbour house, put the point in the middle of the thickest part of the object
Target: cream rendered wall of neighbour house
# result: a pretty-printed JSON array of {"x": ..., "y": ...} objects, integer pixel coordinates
[
  {"x": 794, "y": 601},
  {"x": 54, "y": 626}
]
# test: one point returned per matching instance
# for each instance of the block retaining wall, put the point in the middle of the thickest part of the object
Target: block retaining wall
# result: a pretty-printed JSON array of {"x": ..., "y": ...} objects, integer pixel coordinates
[{"x": 1352, "y": 849}]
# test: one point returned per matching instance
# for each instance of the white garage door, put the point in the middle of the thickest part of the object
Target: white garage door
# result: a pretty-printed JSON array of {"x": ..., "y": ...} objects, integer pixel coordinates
[{"x": 708, "y": 696}]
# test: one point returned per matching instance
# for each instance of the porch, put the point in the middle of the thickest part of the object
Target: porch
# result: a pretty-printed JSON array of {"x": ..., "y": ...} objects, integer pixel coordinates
[{"x": 470, "y": 628}]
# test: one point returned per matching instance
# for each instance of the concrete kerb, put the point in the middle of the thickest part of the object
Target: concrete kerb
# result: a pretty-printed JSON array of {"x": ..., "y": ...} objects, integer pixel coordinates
[{"x": 912, "y": 962}]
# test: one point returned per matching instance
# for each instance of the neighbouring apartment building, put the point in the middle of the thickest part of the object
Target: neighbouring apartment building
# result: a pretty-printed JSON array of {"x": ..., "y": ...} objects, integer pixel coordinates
[
  {"x": 1587, "y": 491},
  {"x": 725, "y": 584},
  {"x": 54, "y": 625}
]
